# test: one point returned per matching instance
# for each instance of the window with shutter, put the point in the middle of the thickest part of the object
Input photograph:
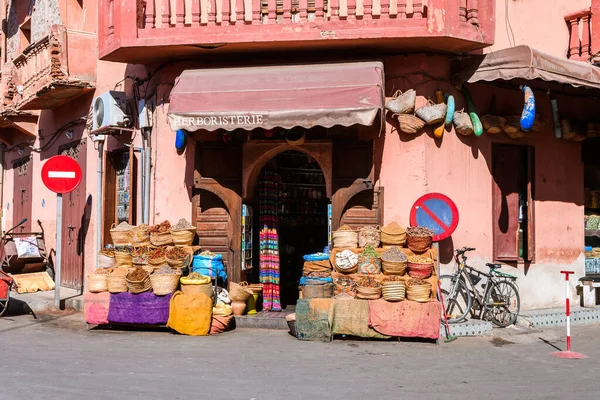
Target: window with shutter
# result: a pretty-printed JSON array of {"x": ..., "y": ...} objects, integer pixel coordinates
[{"x": 512, "y": 202}]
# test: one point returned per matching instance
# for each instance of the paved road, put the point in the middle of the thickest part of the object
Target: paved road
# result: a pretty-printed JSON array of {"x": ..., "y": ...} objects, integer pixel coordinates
[{"x": 55, "y": 357}]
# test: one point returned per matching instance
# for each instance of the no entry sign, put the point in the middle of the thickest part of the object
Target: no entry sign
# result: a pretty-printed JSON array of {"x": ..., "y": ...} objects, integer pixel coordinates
[
  {"x": 436, "y": 212},
  {"x": 61, "y": 174}
]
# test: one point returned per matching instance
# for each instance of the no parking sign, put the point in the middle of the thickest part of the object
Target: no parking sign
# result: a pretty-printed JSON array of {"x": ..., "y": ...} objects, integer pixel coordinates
[{"x": 436, "y": 212}]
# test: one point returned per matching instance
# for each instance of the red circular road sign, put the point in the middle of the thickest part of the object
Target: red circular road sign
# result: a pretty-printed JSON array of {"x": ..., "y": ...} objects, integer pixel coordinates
[
  {"x": 436, "y": 212},
  {"x": 61, "y": 174}
]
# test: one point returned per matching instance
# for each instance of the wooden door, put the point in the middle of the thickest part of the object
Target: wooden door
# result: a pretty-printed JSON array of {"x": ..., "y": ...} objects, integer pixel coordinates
[
  {"x": 75, "y": 221},
  {"x": 365, "y": 208},
  {"x": 22, "y": 193},
  {"x": 218, "y": 182}
]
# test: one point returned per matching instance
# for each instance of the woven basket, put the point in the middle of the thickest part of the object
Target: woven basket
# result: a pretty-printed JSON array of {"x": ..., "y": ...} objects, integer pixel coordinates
[
  {"x": 239, "y": 291},
  {"x": 105, "y": 261},
  {"x": 183, "y": 237},
  {"x": 410, "y": 124},
  {"x": 402, "y": 103},
  {"x": 161, "y": 239},
  {"x": 420, "y": 293},
  {"x": 120, "y": 237},
  {"x": 97, "y": 283},
  {"x": 367, "y": 293},
  {"x": 163, "y": 284},
  {"x": 345, "y": 239},
  {"x": 182, "y": 263},
  {"x": 393, "y": 291},
  {"x": 462, "y": 123},
  {"x": 432, "y": 113},
  {"x": 392, "y": 239},
  {"x": 493, "y": 124},
  {"x": 206, "y": 289},
  {"x": 256, "y": 287},
  {"x": 422, "y": 271},
  {"x": 140, "y": 236},
  {"x": 332, "y": 260},
  {"x": 157, "y": 262},
  {"x": 369, "y": 236},
  {"x": 418, "y": 244},
  {"x": 123, "y": 259},
  {"x": 369, "y": 265},
  {"x": 393, "y": 267},
  {"x": 116, "y": 283},
  {"x": 348, "y": 289},
  {"x": 324, "y": 291},
  {"x": 139, "y": 286}
]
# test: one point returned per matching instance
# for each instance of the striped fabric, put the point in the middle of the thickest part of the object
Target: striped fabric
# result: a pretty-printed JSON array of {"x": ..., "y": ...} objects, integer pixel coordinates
[{"x": 269, "y": 238}]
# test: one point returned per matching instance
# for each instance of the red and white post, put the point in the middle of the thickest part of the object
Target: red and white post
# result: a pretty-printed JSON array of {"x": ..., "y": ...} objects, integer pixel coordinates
[{"x": 568, "y": 353}]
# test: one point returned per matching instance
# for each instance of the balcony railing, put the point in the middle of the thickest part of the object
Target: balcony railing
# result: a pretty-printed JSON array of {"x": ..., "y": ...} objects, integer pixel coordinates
[
  {"x": 580, "y": 45},
  {"x": 43, "y": 76},
  {"x": 135, "y": 24}
]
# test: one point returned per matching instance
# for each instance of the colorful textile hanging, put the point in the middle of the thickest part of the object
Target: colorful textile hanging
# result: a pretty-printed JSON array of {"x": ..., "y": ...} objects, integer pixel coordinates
[{"x": 269, "y": 238}]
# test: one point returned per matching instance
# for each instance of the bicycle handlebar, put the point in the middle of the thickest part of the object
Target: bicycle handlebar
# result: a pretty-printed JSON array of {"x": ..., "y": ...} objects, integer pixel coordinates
[{"x": 464, "y": 250}]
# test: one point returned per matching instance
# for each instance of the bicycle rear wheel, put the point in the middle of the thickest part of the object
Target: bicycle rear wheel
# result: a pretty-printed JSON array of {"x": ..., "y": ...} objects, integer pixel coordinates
[
  {"x": 459, "y": 304},
  {"x": 503, "y": 303}
]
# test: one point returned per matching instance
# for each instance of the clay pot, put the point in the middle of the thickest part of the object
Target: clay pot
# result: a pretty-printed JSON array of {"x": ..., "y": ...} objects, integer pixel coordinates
[{"x": 238, "y": 308}]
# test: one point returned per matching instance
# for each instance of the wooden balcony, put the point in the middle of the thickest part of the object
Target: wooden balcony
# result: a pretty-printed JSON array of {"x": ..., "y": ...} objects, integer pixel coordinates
[
  {"x": 138, "y": 31},
  {"x": 52, "y": 71}
]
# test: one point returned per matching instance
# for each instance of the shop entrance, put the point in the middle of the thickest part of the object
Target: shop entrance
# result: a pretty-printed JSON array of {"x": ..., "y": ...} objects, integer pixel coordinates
[{"x": 290, "y": 220}]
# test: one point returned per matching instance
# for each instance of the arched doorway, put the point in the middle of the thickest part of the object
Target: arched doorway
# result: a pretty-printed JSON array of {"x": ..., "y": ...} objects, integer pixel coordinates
[{"x": 290, "y": 206}]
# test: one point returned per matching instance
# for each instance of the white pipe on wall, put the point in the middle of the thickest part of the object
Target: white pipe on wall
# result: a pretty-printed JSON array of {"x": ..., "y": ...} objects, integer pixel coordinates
[{"x": 99, "y": 201}]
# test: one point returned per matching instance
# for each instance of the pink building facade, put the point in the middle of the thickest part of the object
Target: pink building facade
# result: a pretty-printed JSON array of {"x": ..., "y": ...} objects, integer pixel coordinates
[{"x": 141, "y": 51}]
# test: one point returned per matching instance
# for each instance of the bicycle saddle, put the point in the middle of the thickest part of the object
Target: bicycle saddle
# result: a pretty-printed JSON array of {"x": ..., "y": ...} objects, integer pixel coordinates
[{"x": 493, "y": 266}]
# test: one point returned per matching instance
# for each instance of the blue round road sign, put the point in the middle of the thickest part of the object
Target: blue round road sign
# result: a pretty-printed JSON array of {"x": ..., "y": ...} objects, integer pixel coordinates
[{"x": 436, "y": 212}]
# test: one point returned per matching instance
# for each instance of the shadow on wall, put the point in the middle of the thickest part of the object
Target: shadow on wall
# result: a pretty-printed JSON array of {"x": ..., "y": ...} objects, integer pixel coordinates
[{"x": 54, "y": 125}]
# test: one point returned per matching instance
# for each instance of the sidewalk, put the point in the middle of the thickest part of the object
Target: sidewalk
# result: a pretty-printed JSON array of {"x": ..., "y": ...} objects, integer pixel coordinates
[
  {"x": 529, "y": 321},
  {"x": 71, "y": 299}
]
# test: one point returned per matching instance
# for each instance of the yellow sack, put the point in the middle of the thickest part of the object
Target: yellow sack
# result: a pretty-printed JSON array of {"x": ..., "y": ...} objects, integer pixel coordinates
[{"x": 190, "y": 314}]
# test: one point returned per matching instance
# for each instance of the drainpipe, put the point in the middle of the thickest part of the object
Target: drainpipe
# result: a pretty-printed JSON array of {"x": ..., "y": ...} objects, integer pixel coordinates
[
  {"x": 99, "y": 202},
  {"x": 147, "y": 167},
  {"x": 2, "y": 149}
]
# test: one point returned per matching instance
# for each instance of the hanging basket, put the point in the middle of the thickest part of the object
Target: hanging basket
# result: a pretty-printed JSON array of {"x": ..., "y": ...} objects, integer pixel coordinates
[
  {"x": 97, "y": 283},
  {"x": 462, "y": 123},
  {"x": 410, "y": 124},
  {"x": 402, "y": 103},
  {"x": 163, "y": 284},
  {"x": 493, "y": 124},
  {"x": 161, "y": 239},
  {"x": 183, "y": 237},
  {"x": 432, "y": 113}
]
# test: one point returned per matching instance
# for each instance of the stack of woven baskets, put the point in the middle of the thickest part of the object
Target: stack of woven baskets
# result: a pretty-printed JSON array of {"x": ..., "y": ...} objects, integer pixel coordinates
[
  {"x": 393, "y": 235},
  {"x": 345, "y": 237}
]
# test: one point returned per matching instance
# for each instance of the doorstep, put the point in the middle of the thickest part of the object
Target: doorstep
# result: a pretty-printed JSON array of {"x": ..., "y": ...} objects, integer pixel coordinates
[
  {"x": 71, "y": 299},
  {"x": 557, "y": 317},
  {"x": 264, "y": 320}
]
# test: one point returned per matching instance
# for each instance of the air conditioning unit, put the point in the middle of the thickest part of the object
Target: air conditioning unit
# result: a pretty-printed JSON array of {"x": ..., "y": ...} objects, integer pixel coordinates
[{"x": 109, "y": 110}]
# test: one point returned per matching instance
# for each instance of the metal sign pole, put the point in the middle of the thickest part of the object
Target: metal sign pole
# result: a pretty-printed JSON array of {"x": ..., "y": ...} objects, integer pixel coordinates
[{"x": 57, "y": 265}]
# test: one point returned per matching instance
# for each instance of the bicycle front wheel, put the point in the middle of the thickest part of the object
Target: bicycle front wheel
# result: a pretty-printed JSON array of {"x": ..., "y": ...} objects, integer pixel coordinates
[
  {"x": 459, "y": 304},
  {"x": 503, "y": 303}
]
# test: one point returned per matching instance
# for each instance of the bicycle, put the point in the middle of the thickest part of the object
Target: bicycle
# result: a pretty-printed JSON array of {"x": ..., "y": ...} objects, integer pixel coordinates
[{"x": 499, "y": 303}]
